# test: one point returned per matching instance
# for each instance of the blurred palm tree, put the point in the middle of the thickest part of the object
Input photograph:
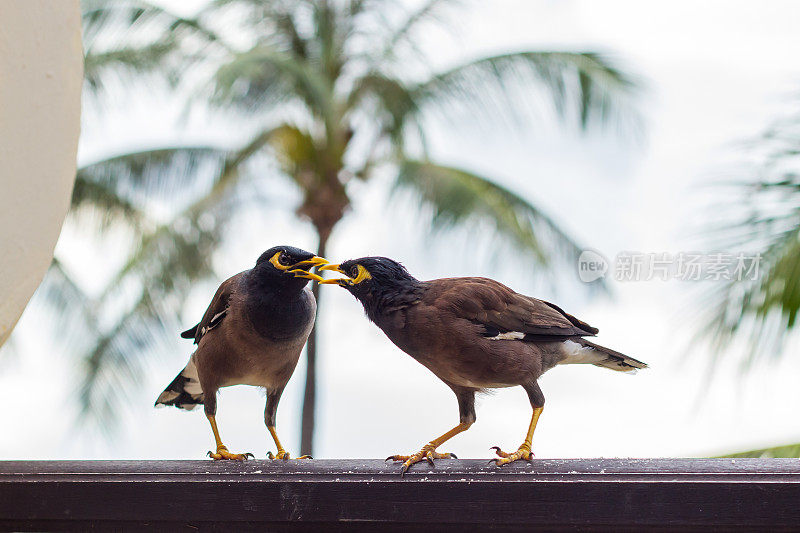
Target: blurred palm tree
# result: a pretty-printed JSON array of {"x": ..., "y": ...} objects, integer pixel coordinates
[
  {"x": 760, "y": 216},
  {"x": 332, "y": 93},
  {"x": 752, "y": 318}
]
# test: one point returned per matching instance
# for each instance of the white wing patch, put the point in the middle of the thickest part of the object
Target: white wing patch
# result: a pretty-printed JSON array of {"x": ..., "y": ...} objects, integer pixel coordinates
[
  {"x": 215, "y": 321},
  {"x": 508, "y": 336}
]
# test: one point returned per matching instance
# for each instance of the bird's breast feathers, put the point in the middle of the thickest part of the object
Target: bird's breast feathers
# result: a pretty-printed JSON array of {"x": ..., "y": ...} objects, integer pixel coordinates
[{"x": 282, "y": 319}]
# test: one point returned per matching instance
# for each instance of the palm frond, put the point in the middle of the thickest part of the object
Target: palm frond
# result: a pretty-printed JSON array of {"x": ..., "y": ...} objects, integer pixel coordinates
[
  {"x": 60, "y": 290},
  {"x": 62, "y": 310},
  {"x": 759, "y": 311},
  {"x": 133, "y": 38},
  {"x": 274, "y": 23},
  {"x": 458, "y": 197},
  {"x": 127, "y": 181},
  {"x": 756, "y": 314},
  {"x": 427, "y": 12},
  {"x": 329, "y": 38},
  {"x": 584, "y": 85},
  {"x": 286, "y": 26},
  {"x": 391, "y": 101},
  {"x": 99, "y": 16},
  {"x": 132, "y": 61},
  {"x": 357, "y": 7},
  {"x": 264, "y": 76},
  {"x": 789, "y": 451},
  {"x": 139, "y": 20},
  {"x": 102, "y": 203},
  {"x": 69, "y": 309}
]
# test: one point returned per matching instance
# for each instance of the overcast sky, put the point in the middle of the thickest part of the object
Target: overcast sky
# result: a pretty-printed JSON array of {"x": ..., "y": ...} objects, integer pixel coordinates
[{"x": 715, "y": 72}]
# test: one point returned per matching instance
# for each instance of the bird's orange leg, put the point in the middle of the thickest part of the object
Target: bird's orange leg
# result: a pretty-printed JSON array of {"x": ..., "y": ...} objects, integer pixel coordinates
[
  {"x": 524, "y": 451},
  {"x": 222, "y": 450},
  {"x": 428, "y": 452},
  {"x": 282, "y": 454}
]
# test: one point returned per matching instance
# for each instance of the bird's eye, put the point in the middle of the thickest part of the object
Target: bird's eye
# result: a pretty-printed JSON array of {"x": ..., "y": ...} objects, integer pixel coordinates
[
  {"x": 354, "y": 271},
  {"x": 284, "y": 259}
]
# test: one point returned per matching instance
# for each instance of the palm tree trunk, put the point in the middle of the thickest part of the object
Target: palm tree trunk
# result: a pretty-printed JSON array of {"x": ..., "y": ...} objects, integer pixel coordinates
[{"x": 310, "y": 395}]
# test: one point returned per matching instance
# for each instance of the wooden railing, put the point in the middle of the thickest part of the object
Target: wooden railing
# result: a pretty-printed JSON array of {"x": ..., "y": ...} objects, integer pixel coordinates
[{"x": 364, "y": 495}]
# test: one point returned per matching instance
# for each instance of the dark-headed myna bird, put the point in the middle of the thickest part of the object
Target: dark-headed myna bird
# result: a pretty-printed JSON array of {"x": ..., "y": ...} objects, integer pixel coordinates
[
  {"x": 474, "y": 334},
  {"x": 251, "y": 334}
]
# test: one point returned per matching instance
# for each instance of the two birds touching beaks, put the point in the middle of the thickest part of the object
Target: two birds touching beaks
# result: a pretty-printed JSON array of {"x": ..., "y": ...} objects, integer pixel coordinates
[{"x": 473, "y": 333}]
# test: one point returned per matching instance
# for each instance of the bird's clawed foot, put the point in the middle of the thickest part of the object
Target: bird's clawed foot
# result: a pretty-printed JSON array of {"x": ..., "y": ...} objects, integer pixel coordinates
[
  {"x": 524, "y": 452},
  {"x": 284, "y": 455},
  {"x": 427, "y": 453},
  {"x": 223, "y": 454}
]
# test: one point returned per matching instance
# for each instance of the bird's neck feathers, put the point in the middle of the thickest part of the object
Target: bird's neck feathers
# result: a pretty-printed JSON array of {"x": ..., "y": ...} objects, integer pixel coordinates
[
  {"x": 387, "y": 296},
  {"x": 264, "y": 279},
  {"x": 277, "y": 307}
]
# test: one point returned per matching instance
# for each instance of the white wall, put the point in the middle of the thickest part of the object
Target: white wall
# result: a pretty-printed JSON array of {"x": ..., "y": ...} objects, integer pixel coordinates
[{"x": 41, "y": 71}]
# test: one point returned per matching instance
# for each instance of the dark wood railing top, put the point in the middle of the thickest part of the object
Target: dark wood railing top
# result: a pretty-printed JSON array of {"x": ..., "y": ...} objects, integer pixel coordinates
[{"x": 460, "y": 495}]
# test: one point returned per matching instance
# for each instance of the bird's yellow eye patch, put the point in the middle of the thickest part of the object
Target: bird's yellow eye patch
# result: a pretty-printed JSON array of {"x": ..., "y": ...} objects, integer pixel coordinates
[
  {"x": 276, "y": 262},
  {"x": 360, "y": 275}
]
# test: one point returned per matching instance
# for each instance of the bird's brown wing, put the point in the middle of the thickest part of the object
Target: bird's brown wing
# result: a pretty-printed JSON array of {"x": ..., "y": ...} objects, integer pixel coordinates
[
  {"x": 216, "y": 310},
  {"x": 501, "y": 310}
]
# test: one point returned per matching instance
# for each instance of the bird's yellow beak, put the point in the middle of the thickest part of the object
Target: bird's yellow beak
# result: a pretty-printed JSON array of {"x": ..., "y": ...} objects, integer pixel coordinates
[
  {"x": 299, "y": 273},
  {"x": 313, "y": 262},
  {"x": 363, "y": 274},
  {"x": 334, "y": 281}
]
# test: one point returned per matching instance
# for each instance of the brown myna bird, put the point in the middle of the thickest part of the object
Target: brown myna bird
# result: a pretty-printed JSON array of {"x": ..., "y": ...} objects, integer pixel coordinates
[
  {"x": 474, "y": 334},
  {"x": 251, "y": 334}
]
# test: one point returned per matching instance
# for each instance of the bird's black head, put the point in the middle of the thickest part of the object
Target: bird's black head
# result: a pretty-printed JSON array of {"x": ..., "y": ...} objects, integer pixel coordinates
[
  {"x": 378, "y": 282},
  {"x": 287, "y": 265}
]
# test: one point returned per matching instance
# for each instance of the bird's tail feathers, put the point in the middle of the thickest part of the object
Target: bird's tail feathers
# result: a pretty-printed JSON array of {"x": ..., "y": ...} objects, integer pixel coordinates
[
  {"x": 579, "y": 350},
  {"x": 184, "y": 392}
]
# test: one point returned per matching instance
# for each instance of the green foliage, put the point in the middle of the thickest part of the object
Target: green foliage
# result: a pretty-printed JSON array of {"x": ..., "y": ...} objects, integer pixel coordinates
[
  {"x": 340, "y": 71},
  {"x": 135, "y": 38},
  {"x": 757, "y": 315},
  {"x": 458, "y": 197},
  {"x": 791, "y": 451},
  {"x": 586, "y": 84}
]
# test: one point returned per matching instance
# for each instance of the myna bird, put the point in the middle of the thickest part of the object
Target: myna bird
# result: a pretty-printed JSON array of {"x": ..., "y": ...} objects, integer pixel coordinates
[
  {"x": 251, "y": 334},
  {"x": 474, "y": 334}
]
